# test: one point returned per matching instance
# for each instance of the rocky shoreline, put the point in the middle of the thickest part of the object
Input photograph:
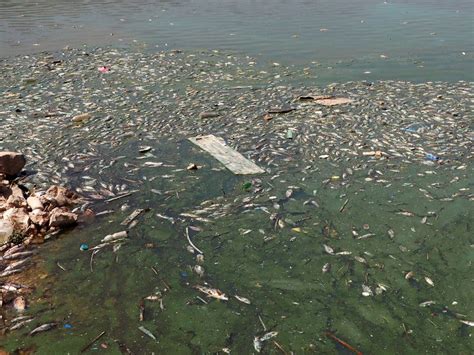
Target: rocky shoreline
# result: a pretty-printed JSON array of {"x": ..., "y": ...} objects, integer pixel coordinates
[{"x": 27, "y": 218}]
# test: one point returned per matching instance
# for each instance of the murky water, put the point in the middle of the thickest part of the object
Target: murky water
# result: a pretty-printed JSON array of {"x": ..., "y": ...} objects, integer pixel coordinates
[
  {"x": 377, "y": 252},
  {"x": 396, "y": 233},
  {"x": 411, "y": 40},
  {"x": 278, "y": 270}
]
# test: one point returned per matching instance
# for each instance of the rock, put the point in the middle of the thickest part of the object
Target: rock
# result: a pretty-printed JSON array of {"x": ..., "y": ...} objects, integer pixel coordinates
[
  {"x": 6, "y": 231},
  {"x": 82, "y": 117},
  {"x": 16, "y": 201},
  {"x": 18, "y": 217},
  {"x": 39, "y": 217},
  {"x": 61, "y": 218},
  {"x": 34, "y": 203},
  {"x": 11, "y": 163},
  {"x": 19, "y": 303},
  {"x": 60, "y": 196}
]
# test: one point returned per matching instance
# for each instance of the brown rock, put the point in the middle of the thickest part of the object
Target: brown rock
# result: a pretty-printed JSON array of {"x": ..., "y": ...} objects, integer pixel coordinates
[
  {"x": 11, "y": 163},
  {"x": 34, "y": 203},
  {"x": 18, "y": 217},
  {"x": 87, "y": 216},
  {"x": 62, "y": 218},
  {"x": 19, "y": 303},
  {"x": 39, "y": 217},
  {"x": 16, "y": 201},
  {"x": 60, "y": 196},
  {"x": 6, "y": 231}
]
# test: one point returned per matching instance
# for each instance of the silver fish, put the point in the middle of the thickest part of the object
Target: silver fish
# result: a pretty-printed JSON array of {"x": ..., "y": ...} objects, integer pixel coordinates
[
  {"x": 147, "y": 332},
  {"x": 43, "y": 328}
]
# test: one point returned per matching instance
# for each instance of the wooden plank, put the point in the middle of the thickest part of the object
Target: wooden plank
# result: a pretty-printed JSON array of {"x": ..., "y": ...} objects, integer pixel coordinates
[{"x": 232, "y": 160}]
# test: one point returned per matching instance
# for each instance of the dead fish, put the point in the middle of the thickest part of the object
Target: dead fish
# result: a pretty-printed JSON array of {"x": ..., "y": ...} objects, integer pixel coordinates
[
  {"x": 406, "y": 213},
  {"x": 171, "y": 219},
  {"x": 20, "y": 318},
  {"x": 328, "y": 249},
  {"x": 258, "y": 341},
  {"x": 365, "y": 236},
  {"x": 242, "y": 299},
  {"x": 17, "y": 264},
  {"x": 147, "y": 332},
  {"x": 429, "y": 281},
  {"x": 112, "y": 237},
  {"x": 153, "y": 298},
  {"x": 380, "y": 289},
  {"x": 104, "y": 212},
  {"x": 43, "y": 328},
  {"x": 152, "y": 164},
  {"x": 212, "y": 292},
  {"x": 326, "y": 267},
  {"x": 281, "y": 110},
  {"x": 21, "y": 324},
  {"x": 426, "y": 303},
  {"x": 344, "y": 252},
  {"x": 360, "y": 259},
  {"x": 19, "y": 255},
  {"x": 391, "y": 233},
  {"x": 192, "y": 166},
  {"x": 366, "y": 291},
  {"x": 467, "y": 322},
  {"x": 11, "y": 272},
  {"x": 144, "y": 149},
  {"x": 9, "y": 287},
  {"x": 208, "y": 114}
]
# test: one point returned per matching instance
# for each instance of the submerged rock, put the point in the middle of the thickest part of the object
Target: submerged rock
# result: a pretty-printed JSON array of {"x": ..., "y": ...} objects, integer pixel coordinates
[
  {"x": 11, "y": 163},
  {"x": 61, "y": 217}
]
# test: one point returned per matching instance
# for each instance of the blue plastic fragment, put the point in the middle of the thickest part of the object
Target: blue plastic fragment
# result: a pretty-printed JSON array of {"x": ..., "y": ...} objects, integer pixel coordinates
[
  {"x": 84, "y": 247},
  {"x": 67, "y": 326},
  {"x": 432, "y": 157},
  {"x": 183, "y": 274}
]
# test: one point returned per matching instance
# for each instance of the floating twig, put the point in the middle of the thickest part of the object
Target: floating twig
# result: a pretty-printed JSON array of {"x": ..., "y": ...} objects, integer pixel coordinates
[
  {"x": 279, "y": 347},
  {"x": 159, "y": 278},
  {"x": 92, "y": 342},
  {"x": 344, "y": 205},
  {"x": 343, "y": 343},
  {"x": 121, "y": 196}
]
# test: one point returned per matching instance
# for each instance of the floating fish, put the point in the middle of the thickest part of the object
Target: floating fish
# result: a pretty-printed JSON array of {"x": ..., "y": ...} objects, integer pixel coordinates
[
  {"x": 212, "y": 292},
  {"x": 43, "y": 328},
  {"x": 258, "y": 341},
  {"x": 242, "y": 299},
  {"x": 147, "y": 332}
]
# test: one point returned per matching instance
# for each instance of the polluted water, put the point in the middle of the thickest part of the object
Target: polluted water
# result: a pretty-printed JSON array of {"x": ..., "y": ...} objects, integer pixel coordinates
[{"x": 356, "y": 237}]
